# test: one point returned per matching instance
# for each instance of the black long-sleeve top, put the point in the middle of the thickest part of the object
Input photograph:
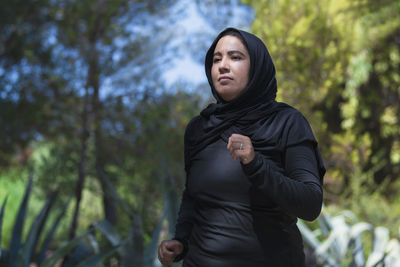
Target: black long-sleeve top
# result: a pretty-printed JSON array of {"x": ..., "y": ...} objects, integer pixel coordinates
[{"x": 245, "y": 215}]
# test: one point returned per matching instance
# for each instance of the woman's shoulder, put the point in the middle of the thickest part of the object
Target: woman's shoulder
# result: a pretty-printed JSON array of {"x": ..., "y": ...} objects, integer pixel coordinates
[
  {"x": 192, "y": 124},
  {"x": 296, "y": 127},
  {"x": 192, "y": 128},
  {"x": 290, "y": 113}
]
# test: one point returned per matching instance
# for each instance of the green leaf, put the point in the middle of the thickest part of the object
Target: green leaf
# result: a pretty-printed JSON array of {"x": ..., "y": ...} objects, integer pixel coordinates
[
  {"x": 97, "y": 258},
  {"x": 150, "y": 253},
  {"x": 4, "y": 256},
  {"x": 132, "y": 249},
  {"x": 310, "y": 238},
  {"x": 308, "y": 235},
  {"x": 50, "y": 234},
  {"x": 15, "y": 246},
  {"x": 35, "y": 230},
  {"x": 325, "y": 223},
  {"x": 79, "y": 253},
  {"x": 62, "y": 251},
  {"x": 381, "y": 238},
  {"x": 358, "y": 228},
  {"x": 1, "y": 217},
  {"x": 108, "y": 231},
  {"x": 171, "y": 203},
  {"x": 358, "y": 252},
  {"x": 114, "y": 194},
  {"x": 92, "y": 240}
]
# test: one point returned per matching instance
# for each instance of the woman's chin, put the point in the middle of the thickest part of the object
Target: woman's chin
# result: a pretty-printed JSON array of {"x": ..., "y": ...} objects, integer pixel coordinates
[{"x": 226, "y": 95}]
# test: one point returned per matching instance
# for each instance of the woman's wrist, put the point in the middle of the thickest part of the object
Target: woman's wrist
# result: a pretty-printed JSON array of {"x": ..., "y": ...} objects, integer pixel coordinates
[
  {"x": 252, "y": 166},
  {"x": 183, "y": 251}
]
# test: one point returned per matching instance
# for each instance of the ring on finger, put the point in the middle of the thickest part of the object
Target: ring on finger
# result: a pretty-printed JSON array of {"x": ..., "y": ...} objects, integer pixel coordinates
[{"x": 241, "y": 146}]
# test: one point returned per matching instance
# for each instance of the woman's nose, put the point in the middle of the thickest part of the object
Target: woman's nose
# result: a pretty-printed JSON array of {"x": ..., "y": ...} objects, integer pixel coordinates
[{"x": 224, "y": 65}]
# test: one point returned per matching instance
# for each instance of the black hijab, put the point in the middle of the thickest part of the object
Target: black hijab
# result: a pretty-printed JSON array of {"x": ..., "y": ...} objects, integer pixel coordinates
[{"x": 272, "y": 126}]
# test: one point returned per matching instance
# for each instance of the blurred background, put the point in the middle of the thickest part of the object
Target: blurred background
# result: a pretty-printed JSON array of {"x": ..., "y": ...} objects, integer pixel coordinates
[{"x": 95, "y": 96}]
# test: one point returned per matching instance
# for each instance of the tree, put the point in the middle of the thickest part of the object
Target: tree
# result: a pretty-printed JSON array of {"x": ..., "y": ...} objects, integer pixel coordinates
[
  {"x": 25, "y": 58},
  {"x": 87, "y": 46},
  {"x": 101, "y": 34},
  {"x": 337, "y": 61}
]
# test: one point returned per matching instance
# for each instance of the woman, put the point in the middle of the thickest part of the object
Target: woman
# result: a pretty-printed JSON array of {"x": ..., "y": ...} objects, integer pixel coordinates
[{"x": 252, "y": 165}]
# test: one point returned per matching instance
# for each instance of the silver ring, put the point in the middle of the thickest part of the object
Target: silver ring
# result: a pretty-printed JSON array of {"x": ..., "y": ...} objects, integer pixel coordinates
[{"x": 241, "y": 146}]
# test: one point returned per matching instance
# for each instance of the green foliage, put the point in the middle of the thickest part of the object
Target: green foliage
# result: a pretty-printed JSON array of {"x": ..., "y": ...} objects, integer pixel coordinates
[
  {"x": 1, "y": 221},
  {"x": 338, "y": 62},
  {"x": 373, "y": 207},
  {"x": 131, "y": 250},
  {"x": 22, "y": 251},
  {"x": 157, "y": 140},
  {"x": 341, "y": 241},
  {"x": 55, "y": 166},
  {"x": 13, "y": 189},
  {"x": 150, "y": 163}
]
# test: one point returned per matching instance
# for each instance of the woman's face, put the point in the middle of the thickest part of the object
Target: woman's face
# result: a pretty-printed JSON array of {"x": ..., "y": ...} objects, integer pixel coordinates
[{"x": 230, "y": 68}]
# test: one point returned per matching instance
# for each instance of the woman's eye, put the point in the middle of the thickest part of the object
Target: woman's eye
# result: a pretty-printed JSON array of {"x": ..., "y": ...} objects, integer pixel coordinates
[
  {"x": 216, "y": 60},
  {"x": 236, "y": 58}
]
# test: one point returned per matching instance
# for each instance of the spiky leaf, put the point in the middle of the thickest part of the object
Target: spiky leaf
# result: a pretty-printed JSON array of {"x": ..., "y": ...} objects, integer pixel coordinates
[
  {"x": 97, "y": 258},
  {"x": 34, "y": 232},
  {"x": 50, "y": 234},
  {"x": 63, "y": 250},
  {"x": 16, "y": 257},
  {"x": 1, "y": 217}
]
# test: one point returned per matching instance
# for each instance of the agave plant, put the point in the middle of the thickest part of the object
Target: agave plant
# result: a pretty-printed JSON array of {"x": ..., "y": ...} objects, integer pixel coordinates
[
  {"x": 22, "y": 252},
  {"x": 336, "y": 239},
  {"x": 131, "y": 250}
]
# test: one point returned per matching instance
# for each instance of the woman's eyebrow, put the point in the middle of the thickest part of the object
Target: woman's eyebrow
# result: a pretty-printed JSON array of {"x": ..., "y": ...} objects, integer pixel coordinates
[
  {"x": 217, "y": 54},
  {"x": 235, "y": 52},
  {"x": 231, "y": 52}
]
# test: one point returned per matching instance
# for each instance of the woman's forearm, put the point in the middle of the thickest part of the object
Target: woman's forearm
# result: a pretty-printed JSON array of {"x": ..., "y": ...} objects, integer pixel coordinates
[{"x": 297, "y": 192}]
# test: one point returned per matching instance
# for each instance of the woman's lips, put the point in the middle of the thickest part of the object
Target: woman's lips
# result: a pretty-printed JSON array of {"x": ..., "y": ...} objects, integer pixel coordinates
[{"x": 224, "y": 79}]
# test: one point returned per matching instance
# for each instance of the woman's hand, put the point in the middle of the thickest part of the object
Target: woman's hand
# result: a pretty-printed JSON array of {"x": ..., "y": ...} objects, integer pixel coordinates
[
  {"x": 241, "y": 148},
  {"x": 168, "y": 250}
]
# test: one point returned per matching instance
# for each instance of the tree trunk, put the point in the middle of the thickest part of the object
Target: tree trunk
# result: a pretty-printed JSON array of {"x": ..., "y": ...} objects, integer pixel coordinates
[
  {"x": 109, "y": 205},
  {"x": 82, "y": 163}
]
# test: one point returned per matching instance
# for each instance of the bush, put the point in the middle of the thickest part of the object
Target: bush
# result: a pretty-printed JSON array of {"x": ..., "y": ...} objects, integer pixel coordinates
[
  {"x": 342, "y": 240},
  {"x": 23, "y": 250}
]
